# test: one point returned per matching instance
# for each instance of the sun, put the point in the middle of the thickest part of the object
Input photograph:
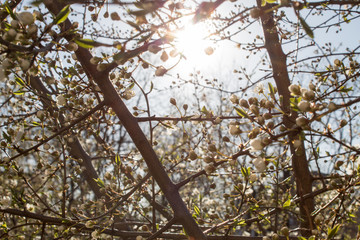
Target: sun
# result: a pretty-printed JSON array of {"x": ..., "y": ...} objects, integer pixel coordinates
[{"x": 193, "y": 43}]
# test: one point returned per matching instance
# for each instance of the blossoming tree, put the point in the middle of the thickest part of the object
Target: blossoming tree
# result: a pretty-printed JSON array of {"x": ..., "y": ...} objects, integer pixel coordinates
[{"x": 78, "y": 163}]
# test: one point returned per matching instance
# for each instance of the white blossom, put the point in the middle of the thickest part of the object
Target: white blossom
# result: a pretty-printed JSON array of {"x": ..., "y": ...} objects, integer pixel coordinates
[
  {"x": 234, "y": 130},
  {"x": 259, "y": 164},
  {"x": 256, "y": 144},
  {"x": 304, "y": 106},
  {"x": 295, "y": 89},
  {"x": 5, "y": 201},
  {"x": 60, "y": 100},
  {"x": 128, "y": 94},
  {"x": 259, "y": 88},
  {"x": 26, "y": 18},
  {"x": 25, "y": 64}
]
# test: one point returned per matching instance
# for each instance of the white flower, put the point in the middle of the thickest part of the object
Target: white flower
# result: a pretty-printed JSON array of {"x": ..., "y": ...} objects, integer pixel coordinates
[
  {"x": 40, "y": 114},
  {"x": 256, "y": 144},
  {"x": 95, "y": 234},
  {"x": 32, "y": 29},
  {"x": 24, "y": 64},
  {"x": 332, "y": 106},
  {"x": 26, "y": 18},
  {"x": 295, "y": 89},
  {"x": 5, "y": 201},
  {"x": 139, "y": 237},
  {"x": 253, "y": 177},
  {"x": 297, "y": 143},
  {"x": 259, "y": 164},
  {"x": 6, "y": 63},
  {"x": 304, "y": 106},
  {"x": 234, "y": 130},
  {"x": 308, "y": 95},
  {"x": 301, "y": 121},
  {"x": 2, "y": 74},
  {"x": 209, "y": 168},
  {"x": 234, "y": 99},
  {"x": 259, "y": 88},
  {"x": 19, "y": 135},
  {"x": 60, "y": 100},
  {"x": 128, "y": 94}
]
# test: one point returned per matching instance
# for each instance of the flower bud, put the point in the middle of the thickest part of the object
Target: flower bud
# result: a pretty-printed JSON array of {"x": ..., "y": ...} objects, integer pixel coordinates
[
  {"x": 153, "y": 48},
  {"x": 164, "y": 57},
  {"x": 72, "y": 46},
  {"x": 209, "y": 168},
  {"x": 308, "y": 95},
  {"x": 301, "y": 121},
  {"x": 212, "y": 147},
  {"x": 259, "y": 164},
  {"x": 256, "y": 144},
  {"x": 234, "y": 130},
  {"x": 114, "y": 16},
  {"x": 295, "y": 89},
  {"x": 192, "y": 155},
  {"x": 26, "y": 18},
  {"x": 208, "y": 159},
  {"x": 234, "y": 99},
  {"x": 255, "y": 13},
  {"x": 343, "y": 123},
  {"x": 209, "y": 50},
  {"x": 244, "y": 103},
  {"x": 160, "y": 71},
  {"x": 173, "y": 101},
  {"x": 254, "y": 109},
  {"x": 332, "y": 106},
  {"x": 304, "y": 106}
]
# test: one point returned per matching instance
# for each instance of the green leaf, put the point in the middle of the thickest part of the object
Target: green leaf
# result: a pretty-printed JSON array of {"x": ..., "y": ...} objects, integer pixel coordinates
[
  {"x": 20, "y": 81},
  {"x": 19, "y": 92},
  {"x": 241, "y": 112},
  {"x": 245, "y": 171},
  {"x": 332, "y": 231},
  {"x": 306, "y": 27},
  {"x": 301, "y": 238},
  {"x": 35, "y": 123},
  {"x": 7, "y": 137},
  {"x": 271, "y": 1},
  {"x": 117, "y": 159},
  {"x": 85, "y": 43},
  {"x": 287, "y": 204},
  {"x": 62, "y": 15},
  {"x": 99, "y": 182},
  {"x": 271, "y": 89},
  {"x": 197, "y": 210},
  {"x": 10, "y": 11},
  {"x": 344, "y": 89},
  {"x": 263, "y": 3}
]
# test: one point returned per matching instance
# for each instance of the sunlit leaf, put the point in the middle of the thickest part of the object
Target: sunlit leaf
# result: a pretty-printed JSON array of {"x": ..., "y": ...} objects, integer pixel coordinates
[
  {"x": 10, "y": 11},
  {"x": 197, "y": 210},
  {"x": 20, "y": 81},
  {"x": 287, "y": 204},
  {"x": 19, "y": 92},
  {"x": 241, "y": 112},
  {"x": 62, "y": 15},
  {"x": 332, "y": 231},
  {"x": 99, "y": 182},
  {"x": 117, "y": 159},
  {"x": 85, "y": 43}
]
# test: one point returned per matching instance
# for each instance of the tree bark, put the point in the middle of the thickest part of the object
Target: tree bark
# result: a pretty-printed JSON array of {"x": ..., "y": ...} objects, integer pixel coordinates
[
  {"x": 112, "y": 98},
  {"x": 303, "y": 177}
]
